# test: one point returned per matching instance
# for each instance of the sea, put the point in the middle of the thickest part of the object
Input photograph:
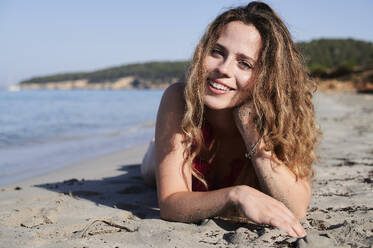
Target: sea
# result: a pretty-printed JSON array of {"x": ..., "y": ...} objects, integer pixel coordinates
[{"x": 44, "y": 130}]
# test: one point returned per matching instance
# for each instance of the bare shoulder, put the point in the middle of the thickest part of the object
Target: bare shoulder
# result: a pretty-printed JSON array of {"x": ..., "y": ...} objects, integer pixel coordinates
[
  {"x": 170, "y": 113},
  {"x": 174, "y": 93},
  {"x": 172, "y": 104}
]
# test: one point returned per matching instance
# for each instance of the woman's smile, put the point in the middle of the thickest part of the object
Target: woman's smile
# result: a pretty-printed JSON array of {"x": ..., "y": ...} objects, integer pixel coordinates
[{"x": 218, "y": 88}]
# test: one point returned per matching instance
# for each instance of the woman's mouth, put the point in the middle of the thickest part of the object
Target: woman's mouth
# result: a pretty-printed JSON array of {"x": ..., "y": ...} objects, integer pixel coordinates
[{"x": 218, "y": 88}]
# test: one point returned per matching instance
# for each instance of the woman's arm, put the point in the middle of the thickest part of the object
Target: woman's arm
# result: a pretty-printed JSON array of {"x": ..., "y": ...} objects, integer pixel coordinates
[
  {"x": 275, "y": 178},
  {"x": 176, "y": 200},
  {"x": 278, "y": 181}
]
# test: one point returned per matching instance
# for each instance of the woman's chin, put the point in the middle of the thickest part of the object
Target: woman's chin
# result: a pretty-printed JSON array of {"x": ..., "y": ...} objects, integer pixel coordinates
[
  {"x": 223, "y": 102},
  {"x": 218, "y": 105}
]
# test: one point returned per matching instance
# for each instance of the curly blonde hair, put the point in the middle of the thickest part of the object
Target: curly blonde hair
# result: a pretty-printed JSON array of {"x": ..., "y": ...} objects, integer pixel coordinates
[{"x": 282, "y": 93}]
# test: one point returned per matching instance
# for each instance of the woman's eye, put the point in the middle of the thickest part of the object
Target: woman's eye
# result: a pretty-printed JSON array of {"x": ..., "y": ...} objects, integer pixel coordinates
[
  {"x": 245, "y": 65},
  {"x": 216, "y": 51}
]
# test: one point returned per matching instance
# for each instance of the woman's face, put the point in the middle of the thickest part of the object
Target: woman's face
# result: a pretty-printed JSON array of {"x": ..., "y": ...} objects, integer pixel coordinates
[{"x": 230, "y": 65}]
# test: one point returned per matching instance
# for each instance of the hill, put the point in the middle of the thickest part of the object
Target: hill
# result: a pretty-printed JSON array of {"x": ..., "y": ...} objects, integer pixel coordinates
[
  {"x": 140, "y": 75},
  {"x": 331, "y": 53}
]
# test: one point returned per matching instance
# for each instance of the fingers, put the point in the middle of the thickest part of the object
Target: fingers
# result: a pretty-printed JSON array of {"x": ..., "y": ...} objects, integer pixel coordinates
[
  {"x": 264, "y": 209},
  {"x": 292, "y": 229},
  {"x": 243, "y": 117},
  {"x": 283, "y": 225},
  {"x": 293, "y": 221},
  {"x": 299, "y": 230},
  {"x": 281, "y": 217}
]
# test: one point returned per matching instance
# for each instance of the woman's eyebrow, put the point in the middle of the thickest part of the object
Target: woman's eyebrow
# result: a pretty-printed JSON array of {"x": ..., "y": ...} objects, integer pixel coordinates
[
  {"x": 239, "y": 55},
  {"x": 245, "y": 57},
  {"x": 220, "y": 46}
]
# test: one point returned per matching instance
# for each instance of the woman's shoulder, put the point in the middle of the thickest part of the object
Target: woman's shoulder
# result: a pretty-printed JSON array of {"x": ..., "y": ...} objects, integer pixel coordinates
[
  {"x": 170, "y": 115},
  {"x": 175, "y": 89},
  {"x": 174, "y": 95}
]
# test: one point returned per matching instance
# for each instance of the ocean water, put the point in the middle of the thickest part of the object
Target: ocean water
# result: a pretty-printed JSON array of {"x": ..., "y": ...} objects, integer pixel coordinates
[{"x": 41, "y": 131}]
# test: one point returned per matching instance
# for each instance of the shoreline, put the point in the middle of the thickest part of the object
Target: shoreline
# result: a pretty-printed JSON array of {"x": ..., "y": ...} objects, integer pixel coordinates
[
  {"x": 103, "y": 202},
  {"x": 44, "y": 172},
  {"x": 78, "y": 169}
]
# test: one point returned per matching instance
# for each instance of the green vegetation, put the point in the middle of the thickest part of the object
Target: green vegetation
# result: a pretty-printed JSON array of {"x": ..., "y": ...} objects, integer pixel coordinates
[
  {"x": 325, "y": 58},
  {"x": 156, "y": 72},
  {"x": 57, "y": 78},
  {"x": 334, "y": 58},
  {"x": 152, "y": 71},
  {"x": 333, "y": 53}
]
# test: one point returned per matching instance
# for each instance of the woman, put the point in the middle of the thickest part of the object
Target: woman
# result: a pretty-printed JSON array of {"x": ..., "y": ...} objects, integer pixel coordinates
[{"x": 241, "y": 131}]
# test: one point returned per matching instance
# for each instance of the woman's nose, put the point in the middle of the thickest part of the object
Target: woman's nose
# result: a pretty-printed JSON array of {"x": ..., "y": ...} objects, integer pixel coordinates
[{"x": 225, "y": 68}]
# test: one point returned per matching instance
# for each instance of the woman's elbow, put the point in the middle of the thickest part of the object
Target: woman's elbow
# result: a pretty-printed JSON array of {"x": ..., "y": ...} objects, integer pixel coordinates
[
  {"x": 166, "y": 212},
  {"x": 170, "y": 216},
  {"x": 165, "y": 215},
  {"x": 170, "y": 212}
]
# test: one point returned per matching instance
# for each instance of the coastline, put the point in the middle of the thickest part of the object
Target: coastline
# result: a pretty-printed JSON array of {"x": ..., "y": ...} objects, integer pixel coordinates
[
  {"x": 93, "y": 168},
  {"x": 103, "y": 202}
]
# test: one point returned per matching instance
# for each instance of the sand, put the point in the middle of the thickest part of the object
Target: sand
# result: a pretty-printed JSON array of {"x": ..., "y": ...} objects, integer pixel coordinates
[{"x": 104, "y": 203}]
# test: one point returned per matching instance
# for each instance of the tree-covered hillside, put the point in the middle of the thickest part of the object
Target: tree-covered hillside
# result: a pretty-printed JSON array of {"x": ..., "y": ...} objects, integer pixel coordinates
[
  {"x": 331, "y": 53},
  {"x": 151, "y": 71}
]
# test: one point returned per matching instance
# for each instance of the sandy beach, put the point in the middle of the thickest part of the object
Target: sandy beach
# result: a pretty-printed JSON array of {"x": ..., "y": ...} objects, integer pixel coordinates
[{"x": 103, "y": 202}]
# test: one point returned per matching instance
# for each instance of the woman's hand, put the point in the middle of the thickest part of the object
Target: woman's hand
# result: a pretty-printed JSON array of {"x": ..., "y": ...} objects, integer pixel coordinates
[
  {"x": 244, "y": 118},
  {"x": 263, "y": 209}
]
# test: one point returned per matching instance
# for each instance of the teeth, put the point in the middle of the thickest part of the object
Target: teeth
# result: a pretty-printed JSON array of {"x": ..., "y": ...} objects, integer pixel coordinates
[{"x": 218, "y": 86}]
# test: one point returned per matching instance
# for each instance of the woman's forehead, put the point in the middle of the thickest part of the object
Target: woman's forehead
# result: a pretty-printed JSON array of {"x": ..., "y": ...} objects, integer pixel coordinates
[{"x": 241, "y": 38}]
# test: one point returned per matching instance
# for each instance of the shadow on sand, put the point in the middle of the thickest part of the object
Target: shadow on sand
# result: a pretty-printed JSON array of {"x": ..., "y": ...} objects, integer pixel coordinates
[{"x": 126, "y": 191}]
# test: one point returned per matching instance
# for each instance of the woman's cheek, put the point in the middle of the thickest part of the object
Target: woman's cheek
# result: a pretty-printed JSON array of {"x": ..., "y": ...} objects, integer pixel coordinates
[
  {"x": 245, "y": 82},
  {"x": 209, "y": 63}
]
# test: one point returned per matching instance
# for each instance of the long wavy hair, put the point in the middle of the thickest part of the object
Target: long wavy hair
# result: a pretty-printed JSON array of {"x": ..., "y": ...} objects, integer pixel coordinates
[{"x": 282, "y": 92}]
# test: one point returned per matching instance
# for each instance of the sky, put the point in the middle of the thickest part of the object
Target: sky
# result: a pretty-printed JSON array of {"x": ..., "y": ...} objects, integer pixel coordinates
[{"x": 44, "y": 37}]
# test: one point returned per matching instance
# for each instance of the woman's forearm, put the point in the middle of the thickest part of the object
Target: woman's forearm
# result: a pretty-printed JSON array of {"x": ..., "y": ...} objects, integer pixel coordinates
[
  {"x": 255, "y": 205},
  {"x": 278, "y": 181},
  {"x": 196, "y": 206},
  {"x": 275, "y": 179}
]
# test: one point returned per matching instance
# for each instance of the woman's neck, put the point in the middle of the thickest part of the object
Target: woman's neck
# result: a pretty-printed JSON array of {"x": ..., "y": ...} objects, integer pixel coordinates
[{"x": 222, "y": 122}]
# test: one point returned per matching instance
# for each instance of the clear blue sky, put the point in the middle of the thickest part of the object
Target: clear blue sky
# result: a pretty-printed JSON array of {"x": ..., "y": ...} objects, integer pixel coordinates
[{"x": 42, "y": 37}]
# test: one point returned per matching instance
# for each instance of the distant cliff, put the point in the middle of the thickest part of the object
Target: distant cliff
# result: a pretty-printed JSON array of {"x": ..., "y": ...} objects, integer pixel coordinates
[{"x": 327, "y": 59}]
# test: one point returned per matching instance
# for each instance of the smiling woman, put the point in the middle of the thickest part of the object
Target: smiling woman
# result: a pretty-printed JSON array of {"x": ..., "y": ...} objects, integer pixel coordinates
[{"x": 238, "y": 138}]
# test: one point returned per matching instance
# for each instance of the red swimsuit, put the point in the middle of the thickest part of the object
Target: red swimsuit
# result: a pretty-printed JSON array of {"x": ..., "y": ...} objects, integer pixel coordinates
[{"x": 204, "y": 168}]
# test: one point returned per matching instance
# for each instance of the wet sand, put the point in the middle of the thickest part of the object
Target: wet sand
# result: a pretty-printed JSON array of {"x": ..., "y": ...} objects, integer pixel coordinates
[{"x": 104, "y": 203}]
